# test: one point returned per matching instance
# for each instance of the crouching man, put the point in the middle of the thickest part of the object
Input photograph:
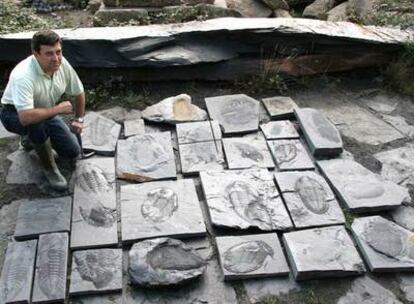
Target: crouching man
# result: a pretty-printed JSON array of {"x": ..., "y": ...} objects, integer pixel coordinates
[{"x": 30, "y": 105}]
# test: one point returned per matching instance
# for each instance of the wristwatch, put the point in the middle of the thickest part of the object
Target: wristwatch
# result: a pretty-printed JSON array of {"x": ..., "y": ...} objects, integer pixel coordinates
[{"x": 80, "y": 119}]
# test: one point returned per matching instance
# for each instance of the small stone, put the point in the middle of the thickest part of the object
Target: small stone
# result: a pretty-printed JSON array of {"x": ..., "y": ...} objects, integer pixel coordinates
[
  {"x": 279, "y": 107},
  {"x": 290, "y": 154},
  {"x": 282, "y": 129},
  {"x": 134, "y": 127}
]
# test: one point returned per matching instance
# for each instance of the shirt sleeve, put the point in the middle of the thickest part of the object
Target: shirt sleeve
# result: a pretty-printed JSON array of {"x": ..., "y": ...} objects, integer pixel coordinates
[
  {"x": 74, "y": 86},
  {"x": 22, "y": 92}
]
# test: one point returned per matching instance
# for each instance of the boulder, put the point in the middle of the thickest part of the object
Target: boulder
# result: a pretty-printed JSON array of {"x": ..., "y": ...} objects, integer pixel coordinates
[
  {"x": 94, "y": 5},
  {"x": 338, "y": 13},
  {"x": 281, "y": 13},
  {"x": 250, "y": 8},
  {"x": 361, "y": 11},
  {"x": 141, "y": 3},
  {"x": 186, "y": 13},
  {"x": 276, "y": 4},
  {"x": 319, "y": 9},
  {"x": 105, "y": 16}
]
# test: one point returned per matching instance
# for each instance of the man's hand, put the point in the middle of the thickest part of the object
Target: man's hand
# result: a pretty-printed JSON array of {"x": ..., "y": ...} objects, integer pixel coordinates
[
  {"x": 76, "y": 126},
  {"x": 65, "y": 107}
]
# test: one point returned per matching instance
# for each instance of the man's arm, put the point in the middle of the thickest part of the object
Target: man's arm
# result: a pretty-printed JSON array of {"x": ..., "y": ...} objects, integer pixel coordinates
[
  {"x": 34, "y": 116},
  {"x": 75, "y": 125}
]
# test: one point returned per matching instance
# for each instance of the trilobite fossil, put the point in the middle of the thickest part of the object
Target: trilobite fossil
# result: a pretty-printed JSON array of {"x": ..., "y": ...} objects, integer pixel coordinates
[
  {"x": 285, "y": 152},
  {"x": 238, "y": 111},
  {"x": 99, "y": 131},
  {"x": 196, "y": 134},
  {"x": 247, "y": 256},
  {"x": 15, "y": 276},
  {"x": 160, "y": 204},
  {"x": 312, "y": 194},
  {"x": 96, "y": 214},
  {"x": 173, "y": 257},
  {"x": 151, "y": 153},
  {"x": 92, "y": 178},
  {"x": 249, "y": 151}
]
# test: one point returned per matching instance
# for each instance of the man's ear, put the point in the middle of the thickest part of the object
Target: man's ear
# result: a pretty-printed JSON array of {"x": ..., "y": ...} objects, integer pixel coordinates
[{"x": 36, "y": 54}]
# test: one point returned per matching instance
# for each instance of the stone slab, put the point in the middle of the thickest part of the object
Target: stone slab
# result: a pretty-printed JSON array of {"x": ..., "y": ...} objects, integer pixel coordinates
[
  {"x": 398, "y": 164},
  {"x": 309, "y": 199},
  {"x": 94, "y": 204},
  {"x": 17, "y": 273},
  {"x": 146, "y": 157},
  {"x": 120, "y": 114},
  {"x": 97, "y": 299},
  {"x": 164, "y": 208},
  {"x": 251, "y": 256},
  {"x": 39, "y": 216},
  {"x": 51, "y": 268},
  {"x": 322, "y": 253},
  {"x": 364, "y": 290},
  {"x": 407, "y": 286},
  {"x": 290, "y": 154},
  {"x": 244, "y": 199},
  {"x": 23, "y": 170},
  {"x": 100, "y": 134},
  {"x": 359, "y": 189},
  {"x": 321, "y": 135},
  {"x": 283, "y": 129},
  {"x": 247, "y": 152},
  {"x": 134, "y": 127},
  {"x": 400, "y": 124},
  {"x": 237, "y": 113},
  {"x": 404, "y": 216},
  {"x": 200, "y": 131},
  {"x": 201, "y": 156},
  {"x": 96, "y": 271},
  {"x": 280, "y": 107},
  {"x": 386, "y": 246}
]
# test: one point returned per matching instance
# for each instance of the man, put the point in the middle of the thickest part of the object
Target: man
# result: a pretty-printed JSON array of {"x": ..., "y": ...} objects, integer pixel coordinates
[{"x": 30, "y": 104}]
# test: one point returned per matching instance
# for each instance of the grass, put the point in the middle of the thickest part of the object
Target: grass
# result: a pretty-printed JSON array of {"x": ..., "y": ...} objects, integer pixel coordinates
[{"x": 394, "y": 12}]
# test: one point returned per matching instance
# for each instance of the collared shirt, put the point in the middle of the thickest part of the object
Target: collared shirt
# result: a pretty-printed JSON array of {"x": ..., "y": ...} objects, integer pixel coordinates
[{"x": 30, "y": 87}]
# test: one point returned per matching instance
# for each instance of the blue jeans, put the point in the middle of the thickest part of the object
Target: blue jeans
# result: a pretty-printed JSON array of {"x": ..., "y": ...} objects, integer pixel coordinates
[{"x": 63, "y": 140}]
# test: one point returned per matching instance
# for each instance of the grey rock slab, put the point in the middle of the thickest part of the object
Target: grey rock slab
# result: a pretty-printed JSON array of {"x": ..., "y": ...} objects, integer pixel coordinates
[
  {"x": 407, "y": 286},
  {"x": 283, "y": 129},
  {"x": 17, "y": 273},
  {"x": 280, "y": 107},
  {"x": 398, "y": 164},
  {"x": 400, "y": 124},
  {"x": 164, "y": 208},
  {"x": 94, "y": 204},
  {"x": 134, "y": 127},
  {"x": 321, "y": 253},
  {"x": 364, "y": 290},
  {"x": 247, "y": 152},
  {"x": 381, "y": 106},
  {"x": 146, "y": 157},
  {"x": 173, "y": 110},
  {"x": 249, "y": 256},
  {"x": 404, "y": 216},
  {"x": 96, "y": 271},
  {"x": 359, "y": 189},
  {"x": 51, "y": 268},
  {"x": 97, "y": 299},
  {"x": 309, "y": 199},
  {"x": 23, "y": 170},
  {"x": 290, "y": 154},
  {"x": 243, "y": 199},
  {"x": 235, "y": 113},
  {"x": 163, "y": 262},
  {"x": 39, "y": 216},
  {"x": 385, "y": 245},
  {"x": 100, "y": 134},
  {"x": 119, "y": 114},
  {"x": 201, "y": 156},
  {"x": 321, "y": 135},
  {"x": 193, "y": 132}
]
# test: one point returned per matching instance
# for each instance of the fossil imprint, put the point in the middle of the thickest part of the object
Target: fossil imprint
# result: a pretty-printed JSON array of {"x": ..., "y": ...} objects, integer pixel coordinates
[
  {"x": 160, "y": 204},
  {"x": 312, "y": 194},
  {"x": 92, "y": 178},
  {"x": 238, "y": 112},
  {"x": 249, "y": 151},
  {"x": 96, "y": 214},
  {"x": 151, "y": 153},
  {"x": 99, "y": 130},
  {"x": 285, "y": 153},
  {"x": 15, "y": 276}
]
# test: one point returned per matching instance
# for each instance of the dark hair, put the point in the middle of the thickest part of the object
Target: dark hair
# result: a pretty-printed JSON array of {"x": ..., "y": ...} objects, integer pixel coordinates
[{"x": 44, "y": 37}]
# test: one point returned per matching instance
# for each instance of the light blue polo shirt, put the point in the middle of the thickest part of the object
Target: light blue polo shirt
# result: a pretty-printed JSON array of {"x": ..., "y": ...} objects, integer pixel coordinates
[{"x": 29, "y": 87}]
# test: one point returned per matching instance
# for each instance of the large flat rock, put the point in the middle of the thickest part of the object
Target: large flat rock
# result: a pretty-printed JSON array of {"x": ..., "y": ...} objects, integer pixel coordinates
[
  {"x": 359, "y": 189},
  {"x": 194, "y": 132},
  {"x": 17, "y": 273},
  {"x": 385, "y": 245},
  {"x": 283, "y": 129},
  {"x": 322, "y": 252},
  {"x": 201, "y": 156},
  {"x": 249, "y": 256},
  {"x": 244, "y": 199},
  {"x": 309, "y": 199},
  {"x": 164, "y": 208},
  {"x": 94, "y": 204},
  {"x": 279, "y": 107},
  {"x": 290, "y": 154}
]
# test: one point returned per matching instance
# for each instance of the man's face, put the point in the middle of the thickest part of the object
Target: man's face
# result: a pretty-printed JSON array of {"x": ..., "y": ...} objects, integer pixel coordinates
[{"x": 49, "y": 57}]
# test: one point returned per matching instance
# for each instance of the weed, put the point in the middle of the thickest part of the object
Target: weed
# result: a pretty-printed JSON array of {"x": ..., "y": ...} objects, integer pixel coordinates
[
  {"x": 393, "y": 12},
  {"x": 349, "y": 218},
  {"x": 269, "y": 300}
]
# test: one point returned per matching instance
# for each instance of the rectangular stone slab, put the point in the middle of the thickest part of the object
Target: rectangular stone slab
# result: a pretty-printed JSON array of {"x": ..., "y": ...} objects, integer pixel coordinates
[
  {"x": 40, "y": 216},
  {"x": 96, "y": 271},
  {"x": 282, "y": 129},
  {"x": 237, "y": 113},
  {"x": 51, "y": 268},
  {"x": 17, "y": 272},
  {"x": 290, "y": 154},
  {"x": 243, "y": 199},
  {"x": 247, "y": 152},
  {"x": 321, "y": 135},
  {"x": 201, "y": 156},
  {"x": 134, "y": 127},
  {"x": 309, "y": 199},
  {"x": 199, "y": 131},
  {"x": 163, "y": 208},
  {"x": 279, "y": 107},
  {"x": 359, "y": 189},
  {"x": 386, "y": 246},
  {"x": 100, "y": 134},
  {"x": 251, "y": 256},
  {"x": 322, "y": 253},
  {"x": 94, "y": 204},
  {"x": 146, "y": 157}
]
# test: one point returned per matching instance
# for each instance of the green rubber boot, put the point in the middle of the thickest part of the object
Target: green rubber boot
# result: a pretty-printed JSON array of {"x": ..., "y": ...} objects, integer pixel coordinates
[
  {"x": 26, "y": 143},
  {"x": 53, "y": 176}
]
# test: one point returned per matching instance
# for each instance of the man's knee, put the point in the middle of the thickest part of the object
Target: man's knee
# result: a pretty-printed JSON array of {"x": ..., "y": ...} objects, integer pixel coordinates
[{"x": 70, "y": 151}]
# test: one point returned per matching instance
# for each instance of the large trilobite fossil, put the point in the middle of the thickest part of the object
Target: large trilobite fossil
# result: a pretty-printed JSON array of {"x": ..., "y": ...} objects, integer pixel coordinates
[
  {"x": 14, "y": 275},
  {"x": 247, "y": 256},
  {"x": 99, "y": 130},
  {"x": 151, "y": 153},
  {"x": 96, "y": 214},
  {"x": 285, "y": 152},
  {"x": 249, "y": 151},
  {"x": 92, "y": 178},
  {"x": 312, "y": 194},
  {"x": 160, "y": 204}
]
